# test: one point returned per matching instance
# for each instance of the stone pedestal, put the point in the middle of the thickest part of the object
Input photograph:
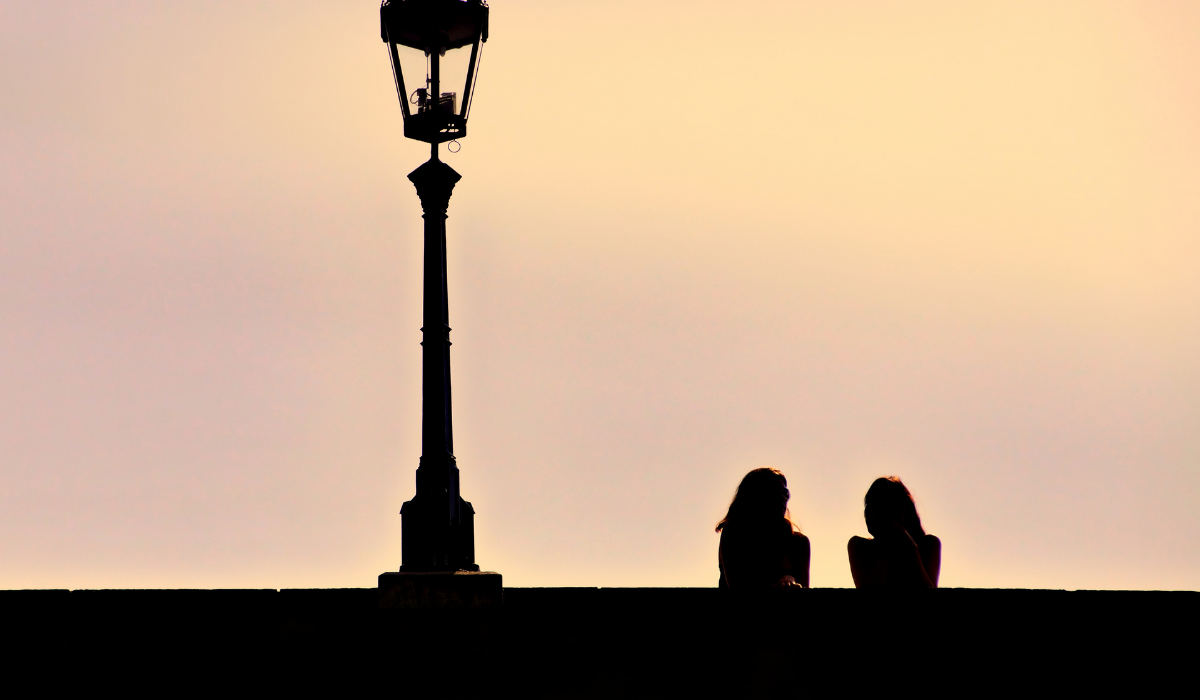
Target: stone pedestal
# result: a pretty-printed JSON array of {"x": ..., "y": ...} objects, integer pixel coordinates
[{"x": 416, "y": 590}]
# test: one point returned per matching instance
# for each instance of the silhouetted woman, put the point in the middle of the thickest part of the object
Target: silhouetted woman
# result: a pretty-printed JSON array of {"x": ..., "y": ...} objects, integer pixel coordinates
[
  {"x": 760, "y": 545},
  {"x": 899, "y": 553}
]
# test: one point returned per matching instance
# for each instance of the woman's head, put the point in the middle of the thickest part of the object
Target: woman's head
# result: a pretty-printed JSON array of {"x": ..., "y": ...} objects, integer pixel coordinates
[
  {"x": 762, "y": 497},
  {"x": 889, "y": 504}
]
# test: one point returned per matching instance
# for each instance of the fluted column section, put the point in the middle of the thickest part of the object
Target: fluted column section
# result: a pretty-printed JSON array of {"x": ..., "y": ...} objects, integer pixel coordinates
[{"x": 438, "y": 525}]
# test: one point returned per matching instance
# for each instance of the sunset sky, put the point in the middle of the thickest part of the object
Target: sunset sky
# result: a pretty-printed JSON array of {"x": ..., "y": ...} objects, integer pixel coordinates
[{"x": 956, "y": 242}]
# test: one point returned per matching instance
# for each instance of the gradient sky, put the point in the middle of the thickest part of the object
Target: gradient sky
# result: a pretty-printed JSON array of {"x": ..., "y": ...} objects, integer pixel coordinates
[{"x": 956, "y": 242}]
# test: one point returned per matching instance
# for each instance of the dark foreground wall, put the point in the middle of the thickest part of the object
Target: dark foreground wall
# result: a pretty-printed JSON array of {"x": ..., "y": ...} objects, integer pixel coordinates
[{"x": 587, "y": 642}]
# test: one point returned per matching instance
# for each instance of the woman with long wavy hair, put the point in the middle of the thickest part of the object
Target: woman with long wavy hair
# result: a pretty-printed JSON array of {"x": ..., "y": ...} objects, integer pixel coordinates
[
  {"x": 760, "y": 545},
  {"x": 899, "y": 554}
]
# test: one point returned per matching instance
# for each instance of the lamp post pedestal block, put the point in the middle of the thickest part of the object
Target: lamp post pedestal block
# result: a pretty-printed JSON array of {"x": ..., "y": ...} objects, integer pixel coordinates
[{"x": 400, "y": 590}]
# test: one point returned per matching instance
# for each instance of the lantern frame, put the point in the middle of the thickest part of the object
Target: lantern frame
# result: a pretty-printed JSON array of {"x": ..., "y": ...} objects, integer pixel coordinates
[{"x": 434, "y": 26}]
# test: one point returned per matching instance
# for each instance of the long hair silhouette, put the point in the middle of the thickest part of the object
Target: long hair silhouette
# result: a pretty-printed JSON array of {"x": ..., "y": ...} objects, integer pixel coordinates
[
  {"x": 888, "y": 500},
  {"x": 760, "y": 499},
  {"x": 760, "y": 545}
]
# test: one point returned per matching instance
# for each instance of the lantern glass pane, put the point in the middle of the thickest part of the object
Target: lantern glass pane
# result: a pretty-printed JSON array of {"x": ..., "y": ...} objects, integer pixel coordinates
[
  {"x": 454, "y": 74},
  {"x": 415, "y": 65},
  {"x": 417, "y": 76}
]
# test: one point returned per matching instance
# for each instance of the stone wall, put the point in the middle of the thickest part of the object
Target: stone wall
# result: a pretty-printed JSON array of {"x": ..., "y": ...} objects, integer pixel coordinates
[{"x": 595, "y": 642}]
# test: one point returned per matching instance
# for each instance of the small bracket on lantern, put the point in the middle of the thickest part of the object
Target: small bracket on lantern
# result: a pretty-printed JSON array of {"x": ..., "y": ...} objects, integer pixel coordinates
[{"x": 454, "y": 146}]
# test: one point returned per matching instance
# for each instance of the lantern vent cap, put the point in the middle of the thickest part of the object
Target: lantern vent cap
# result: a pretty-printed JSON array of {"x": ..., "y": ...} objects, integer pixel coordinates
[{"x": 433, "y": 24}]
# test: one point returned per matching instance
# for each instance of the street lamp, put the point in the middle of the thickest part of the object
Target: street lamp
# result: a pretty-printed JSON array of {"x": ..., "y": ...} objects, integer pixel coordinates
[
  {"x": 439, "y": 41},
  {"x": 419, "y": 35}
]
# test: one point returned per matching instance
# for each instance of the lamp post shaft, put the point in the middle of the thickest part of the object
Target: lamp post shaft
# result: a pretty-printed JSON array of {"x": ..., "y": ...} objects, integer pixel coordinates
[{"x": 438, "y": 525}]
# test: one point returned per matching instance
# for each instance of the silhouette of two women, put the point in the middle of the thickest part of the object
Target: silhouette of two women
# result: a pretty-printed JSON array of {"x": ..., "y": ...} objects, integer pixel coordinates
[{"x": 762, "y": 548}]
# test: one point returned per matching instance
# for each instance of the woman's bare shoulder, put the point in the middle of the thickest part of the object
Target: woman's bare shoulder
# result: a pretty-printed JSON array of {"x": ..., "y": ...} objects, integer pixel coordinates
[
  {"x": 857, "y": 543},
  {"x": 930, "y": 542}
]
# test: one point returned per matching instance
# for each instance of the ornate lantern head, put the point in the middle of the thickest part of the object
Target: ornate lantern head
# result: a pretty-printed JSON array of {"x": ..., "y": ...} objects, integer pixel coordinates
[{"x": 432, "y": 38}]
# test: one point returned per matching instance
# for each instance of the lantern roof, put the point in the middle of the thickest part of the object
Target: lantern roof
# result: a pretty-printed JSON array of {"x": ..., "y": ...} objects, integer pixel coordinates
[{"x": 426, "y": 24}]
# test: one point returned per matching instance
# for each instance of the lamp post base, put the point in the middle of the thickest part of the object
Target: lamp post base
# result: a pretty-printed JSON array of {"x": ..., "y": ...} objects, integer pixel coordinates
[{"x": 414, "y": 590}]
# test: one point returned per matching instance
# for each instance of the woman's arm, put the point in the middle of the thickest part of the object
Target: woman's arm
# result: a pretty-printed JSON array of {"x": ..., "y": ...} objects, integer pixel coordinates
[
  {"x": 796, "y": 561},
  {"x": 721, "y": 560},
  {"x": 862, "y": 565},
  {"x": 905, "y": 553},
  {"x": 930, "y": 549},
  {"x": 801, "y": 559}
]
